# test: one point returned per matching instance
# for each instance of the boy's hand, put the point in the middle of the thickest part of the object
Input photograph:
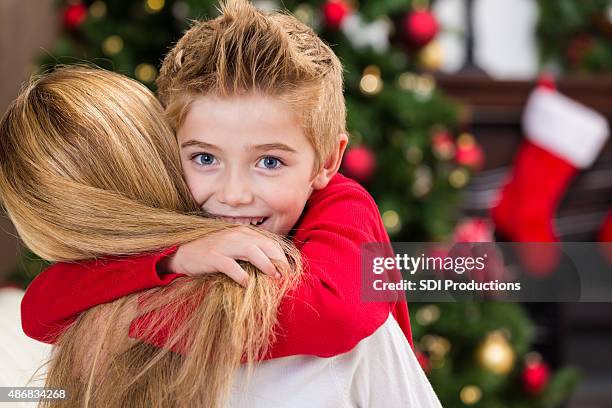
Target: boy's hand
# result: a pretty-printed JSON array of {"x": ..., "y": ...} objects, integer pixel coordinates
[{"x": 219, "y": 251}]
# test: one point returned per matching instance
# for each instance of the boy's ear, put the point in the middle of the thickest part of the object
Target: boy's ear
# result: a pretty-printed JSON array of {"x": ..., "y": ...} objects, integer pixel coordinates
[{"x": 331, "y": 165}]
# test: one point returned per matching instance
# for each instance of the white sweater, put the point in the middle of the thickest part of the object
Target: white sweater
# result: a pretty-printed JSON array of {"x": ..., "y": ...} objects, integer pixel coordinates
[
  {"x": 381, "y": 371},
  {"x": 20, "y": 356}
]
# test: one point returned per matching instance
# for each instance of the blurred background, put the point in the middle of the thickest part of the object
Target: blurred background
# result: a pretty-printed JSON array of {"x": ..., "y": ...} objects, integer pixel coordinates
[{"x": 436, "y": 92}]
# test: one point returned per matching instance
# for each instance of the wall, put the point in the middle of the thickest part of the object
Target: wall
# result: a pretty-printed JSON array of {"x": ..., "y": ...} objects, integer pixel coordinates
[
  {"x": 27, "y": 28},
  {"x": 504, "y": 36}
]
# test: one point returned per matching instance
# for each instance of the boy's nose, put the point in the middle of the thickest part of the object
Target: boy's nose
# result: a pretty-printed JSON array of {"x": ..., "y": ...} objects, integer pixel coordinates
[{"x": 235, "y": 191}]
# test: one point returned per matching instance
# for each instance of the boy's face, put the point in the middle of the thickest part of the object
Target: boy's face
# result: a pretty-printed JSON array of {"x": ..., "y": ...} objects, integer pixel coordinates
[{"x": 247, "y": 160}]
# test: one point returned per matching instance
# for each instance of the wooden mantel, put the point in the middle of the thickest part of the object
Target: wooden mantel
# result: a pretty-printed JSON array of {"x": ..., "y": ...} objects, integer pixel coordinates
[
  {"x": 494, "y": 110},
  {"x": 495, "y": 101}
]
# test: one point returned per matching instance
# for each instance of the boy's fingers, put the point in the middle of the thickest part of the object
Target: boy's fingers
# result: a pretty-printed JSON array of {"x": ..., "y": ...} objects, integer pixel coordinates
[
  {"x": 271, "y": 248},
  {"x": 250, "y": 231},
  {"x": 258, "y": 258},
  {"x": 230, "y": 267},
  {"x": 274, "y": 251}
]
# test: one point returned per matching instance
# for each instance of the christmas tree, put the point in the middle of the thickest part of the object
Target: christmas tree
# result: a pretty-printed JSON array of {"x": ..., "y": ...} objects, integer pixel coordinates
[
  {"x": 394, "y": 107},
  {"x": 406, "y": 148},
  {"x": 576, "y": 36},
  {"x": 478, "y": 354}
]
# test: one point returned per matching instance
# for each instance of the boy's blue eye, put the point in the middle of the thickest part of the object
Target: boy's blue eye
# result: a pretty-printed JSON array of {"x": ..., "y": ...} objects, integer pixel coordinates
[
  {"x": 204, "y": 159},
  {"x": 270, "y": 162}
]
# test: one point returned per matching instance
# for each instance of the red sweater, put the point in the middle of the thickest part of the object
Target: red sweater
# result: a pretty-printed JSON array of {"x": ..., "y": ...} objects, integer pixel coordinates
[{"x": 323, "y": 316}]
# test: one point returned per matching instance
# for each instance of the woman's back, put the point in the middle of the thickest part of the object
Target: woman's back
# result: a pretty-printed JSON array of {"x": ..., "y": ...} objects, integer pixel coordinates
[{"x": 381, "y": 370}]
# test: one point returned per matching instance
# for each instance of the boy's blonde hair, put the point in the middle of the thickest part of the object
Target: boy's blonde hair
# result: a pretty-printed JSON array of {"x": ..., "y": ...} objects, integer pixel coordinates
[
  {"x": 250, "y": 50},
  {"x": 89, "y": 168}
]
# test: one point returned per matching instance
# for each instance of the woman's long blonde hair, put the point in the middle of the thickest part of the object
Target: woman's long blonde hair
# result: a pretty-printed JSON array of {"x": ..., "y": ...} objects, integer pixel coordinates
[{"x": 89, "y": 168}]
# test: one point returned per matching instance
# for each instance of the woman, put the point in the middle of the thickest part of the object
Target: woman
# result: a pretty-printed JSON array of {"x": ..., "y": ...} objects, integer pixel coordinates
[
  {"x": 72, "y": 184},
  {"x": 88, "y": 168}
]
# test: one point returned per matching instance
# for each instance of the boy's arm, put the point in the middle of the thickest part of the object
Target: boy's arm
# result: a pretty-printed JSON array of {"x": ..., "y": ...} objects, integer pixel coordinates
[
  {"x": 64, "y": 290},
  {"x": 325, "y": 315}
]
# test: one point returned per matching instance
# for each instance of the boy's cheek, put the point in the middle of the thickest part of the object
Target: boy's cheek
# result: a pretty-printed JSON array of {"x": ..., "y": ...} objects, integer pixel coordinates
[
  {"x": 200, "y": 190},
  {"x": 197, "y": 181},
  {"x": 289, "y": 197}
]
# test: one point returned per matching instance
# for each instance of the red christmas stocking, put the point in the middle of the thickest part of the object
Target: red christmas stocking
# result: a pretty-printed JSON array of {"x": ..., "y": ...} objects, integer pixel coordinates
[
  {"x": 562, "y": 137},
  {"x": 605, "y": 237}
]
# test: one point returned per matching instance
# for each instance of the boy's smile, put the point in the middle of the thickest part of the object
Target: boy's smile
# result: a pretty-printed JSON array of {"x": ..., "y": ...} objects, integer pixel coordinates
[{"x": 246, "y": 159}]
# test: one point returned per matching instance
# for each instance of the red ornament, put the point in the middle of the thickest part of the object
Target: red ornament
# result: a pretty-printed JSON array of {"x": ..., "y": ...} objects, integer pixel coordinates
[
  {"x": 474, "y": 237},
  {"x": 473, "y": 230},
  {"x": 420, "y": 27},
  {"x": 74, "y": 15},
  {"x": 334, "y": 13},
  {"x": 535, "y": 377},
  {"x": 359, "y": 163},
  {"x": 470, "y": 157},
  {"x": 469, "y": 152}
]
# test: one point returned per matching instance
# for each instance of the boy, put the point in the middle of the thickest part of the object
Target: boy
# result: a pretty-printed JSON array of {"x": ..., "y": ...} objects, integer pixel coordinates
[{"x": 256, "y": 101}]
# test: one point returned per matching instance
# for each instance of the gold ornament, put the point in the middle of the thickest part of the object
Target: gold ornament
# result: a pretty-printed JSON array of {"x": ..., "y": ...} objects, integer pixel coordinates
[
  {"x": 436, "y": 346},
  {"x": 371, "y": 82},
  {"x": 459, "y": 177},
  {"x": 407, "y": 81},
  {"x": 444, "y": 150},
  {"x": 465, "y": 141},
  {"x": 413, "y": 155},
  {"x": 97, "y": 9},
  {"x": 437, "y": 364},
  {"x": 422, "y": 181},
  {"x": 372, "y": 69},
  {"x": 145, "y": 73},
  {"x": 470, "y": 394},
  {"x": 112, "y": 45},
  {"x": 427, "y": 315},
  {"x": 154, "y": 6},
  {"x": 431, "y": 56},
  {"x": 425, "y": 86},
  {"x": 496, "y": 354},
  {"x": 391, "y": 221}
]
